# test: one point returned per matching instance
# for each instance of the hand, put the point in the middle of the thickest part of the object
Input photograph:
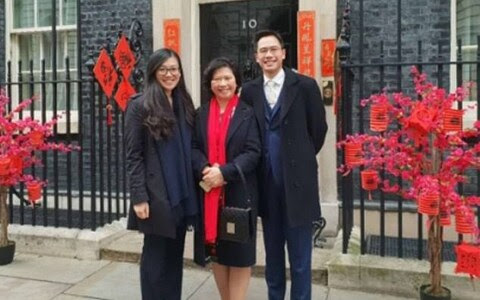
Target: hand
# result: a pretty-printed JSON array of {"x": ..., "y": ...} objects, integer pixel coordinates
[
  {"x": 213, "y": 176},
  {"x": 142, "y": 210}
]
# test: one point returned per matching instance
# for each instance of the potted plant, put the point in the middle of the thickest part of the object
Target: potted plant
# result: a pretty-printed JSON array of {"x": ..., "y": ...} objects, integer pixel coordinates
[
  {"x": 422, "y": 141},
  {"x": 20, "y": 142}
]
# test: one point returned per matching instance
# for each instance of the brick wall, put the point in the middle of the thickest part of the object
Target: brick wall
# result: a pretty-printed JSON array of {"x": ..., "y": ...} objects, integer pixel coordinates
[{"x": 2, "y": 40}]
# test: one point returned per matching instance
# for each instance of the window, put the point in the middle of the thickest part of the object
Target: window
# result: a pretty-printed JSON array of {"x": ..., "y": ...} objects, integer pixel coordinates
[
  {"x": 29, "y": 39},
  {"x": 467, "y": 29}
]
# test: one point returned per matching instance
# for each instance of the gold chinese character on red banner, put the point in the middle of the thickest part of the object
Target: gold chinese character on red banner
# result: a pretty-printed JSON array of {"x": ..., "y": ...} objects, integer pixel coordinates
[
  {"x": 124, "y": 57},
  {"x": 306, "y": 42},
  {"x": 171, "y": 34},
  {"x": 105, "y": 73},
  {"x": 327, "y": 57}
]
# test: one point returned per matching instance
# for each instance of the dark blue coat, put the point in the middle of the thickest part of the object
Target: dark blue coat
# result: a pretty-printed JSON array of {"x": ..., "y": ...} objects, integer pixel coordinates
[{"x": 301, "y": 127}]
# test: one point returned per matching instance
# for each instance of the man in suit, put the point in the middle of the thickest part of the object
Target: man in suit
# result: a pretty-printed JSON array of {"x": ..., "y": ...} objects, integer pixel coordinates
[{"x": 291, "y": 116}]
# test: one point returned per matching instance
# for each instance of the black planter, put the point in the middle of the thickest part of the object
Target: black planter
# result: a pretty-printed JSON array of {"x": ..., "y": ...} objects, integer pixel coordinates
[
  {"x": 6, "y": 253},
  {"x": 425, "y": 296}
]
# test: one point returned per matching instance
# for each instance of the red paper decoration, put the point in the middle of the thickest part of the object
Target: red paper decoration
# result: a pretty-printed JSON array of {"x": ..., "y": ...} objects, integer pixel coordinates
[
  {"x": 369, "y": 180},
  {"x": 463, "y": 221},
  {"x": 353, "y": 154},
  {"x": 34, "y": 189},
  {"x": 445, "y": 219},
  {"x": 4, "y": 165},
  {"x": 428, "y": 203},
  {"x": 105, "y": 73},
  {"x": 16, "y": 164},
  {"x": 468, "y": 259},
  {"x": 36, "y": 138},
  {"x": 124, "y": 57},
  {"x": 453, "y": 120},
  {"x": 124, "y": 92},
  {"x": 378, "y": 118}
]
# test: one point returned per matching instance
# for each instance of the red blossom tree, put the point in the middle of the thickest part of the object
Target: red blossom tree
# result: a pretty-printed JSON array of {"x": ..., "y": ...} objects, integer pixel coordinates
[
  {"x": 422, "y": 142},
  {"x": 20, "y": 142}
]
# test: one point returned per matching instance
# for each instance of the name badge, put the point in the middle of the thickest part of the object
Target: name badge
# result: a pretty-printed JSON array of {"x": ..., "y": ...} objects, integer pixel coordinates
[{"x": 230, "y": 228}]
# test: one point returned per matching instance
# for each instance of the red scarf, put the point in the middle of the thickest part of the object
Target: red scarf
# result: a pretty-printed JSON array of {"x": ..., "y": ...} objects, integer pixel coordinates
[{"x": 217, "y": 136}]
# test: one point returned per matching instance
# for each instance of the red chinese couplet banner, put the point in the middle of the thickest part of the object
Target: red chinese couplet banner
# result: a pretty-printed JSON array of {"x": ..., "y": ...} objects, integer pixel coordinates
[
  {"x": 306, "y": 42},
  {"x": 327, "y": 57},
  {"x": 171, "y": 34}
]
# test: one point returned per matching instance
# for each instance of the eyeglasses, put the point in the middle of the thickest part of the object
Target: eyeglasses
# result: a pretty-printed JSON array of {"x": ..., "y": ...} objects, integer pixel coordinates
[
  {"x": 172, "y": 70},
  {"x": 272, "y": 50}
]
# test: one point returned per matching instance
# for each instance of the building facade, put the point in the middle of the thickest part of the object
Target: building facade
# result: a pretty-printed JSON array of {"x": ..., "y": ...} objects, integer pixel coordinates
[{"x": 211, "y": 28}]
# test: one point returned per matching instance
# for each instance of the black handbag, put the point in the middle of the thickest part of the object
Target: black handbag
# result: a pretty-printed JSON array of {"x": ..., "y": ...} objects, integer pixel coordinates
[{"x": 237, "y": 224}]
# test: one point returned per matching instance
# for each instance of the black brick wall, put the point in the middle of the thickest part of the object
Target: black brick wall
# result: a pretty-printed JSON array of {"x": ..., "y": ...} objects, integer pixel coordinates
[
  {"x": 421, "y": 20},
  {"x": 102, "y": 20}
]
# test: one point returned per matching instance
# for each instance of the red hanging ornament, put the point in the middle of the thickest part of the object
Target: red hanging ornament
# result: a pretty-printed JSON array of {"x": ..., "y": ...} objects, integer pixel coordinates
[
  {"x": 428, "y": 203},
  {"x": 36, "y": 138},
  {"x": 463, "y": 221},
  {"x": 16, "y": 164},
  {"x": 378, "y": 117},
  {"x": 468, "y": 259},
  {"x": 369, "y": 181},
  {"x": 453, "y": 120},
  {"x": 109, "y": 115},
  {"x": 4, "y": 165},
  {"x": 34, "y": 189},
  {"x": 353, "y": 154},
  {"x": 445, "y": 219}
]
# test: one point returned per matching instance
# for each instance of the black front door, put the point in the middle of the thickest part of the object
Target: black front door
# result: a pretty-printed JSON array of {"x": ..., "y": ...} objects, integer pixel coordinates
[{"x": 228, "y": 29}]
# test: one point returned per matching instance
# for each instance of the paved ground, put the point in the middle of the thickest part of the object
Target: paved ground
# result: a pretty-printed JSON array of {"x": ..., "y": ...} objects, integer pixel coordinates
[{"x": 36, "y": 277}]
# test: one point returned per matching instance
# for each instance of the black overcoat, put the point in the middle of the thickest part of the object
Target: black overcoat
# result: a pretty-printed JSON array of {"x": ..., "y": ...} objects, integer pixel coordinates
[
  {"x": 243, "y": 149},
  {"x": 144, "y": 169},
  {"x": 302, "y": 132}
]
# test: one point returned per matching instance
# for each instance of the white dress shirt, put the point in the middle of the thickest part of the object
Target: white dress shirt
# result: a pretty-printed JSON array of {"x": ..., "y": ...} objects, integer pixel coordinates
[{"x": 272, "y": 87}]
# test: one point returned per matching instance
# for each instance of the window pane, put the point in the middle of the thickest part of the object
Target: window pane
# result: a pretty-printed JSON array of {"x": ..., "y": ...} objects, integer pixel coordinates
[
  {"x": 29, "y": 49},
  {"x": 69, "y": 12},
  {"x": 468, "y": 21},
  {"x": 72, "y": 48},
  {"x": 45, "y": 12},
  {"x": 23, "y": 14},
  {"x": 470, "y": 71},
  {"x": 47, "y": 49}
]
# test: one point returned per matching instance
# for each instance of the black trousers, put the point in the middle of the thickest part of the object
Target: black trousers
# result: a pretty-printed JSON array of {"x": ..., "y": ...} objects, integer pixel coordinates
[{"x": 161, "y": 267}]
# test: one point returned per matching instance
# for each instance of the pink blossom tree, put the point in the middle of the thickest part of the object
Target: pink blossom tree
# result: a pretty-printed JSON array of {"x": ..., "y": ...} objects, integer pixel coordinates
[
  {"x": 20, "y": 142},
  {"x": 422, "y": 142}
]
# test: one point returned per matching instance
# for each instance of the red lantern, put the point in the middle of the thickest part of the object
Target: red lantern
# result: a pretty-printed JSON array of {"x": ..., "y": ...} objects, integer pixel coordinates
[
  {"x": 369, "y": 180},
  {"x": 453, "y": 120},
  {"x": 445, "y": 219},
  {"x": 34, "y": 189},
  {"x": 428, "y": 203},
  {"x": 16, "y": 164},
  {"x": 36, "y": 138},
  {"x": 463, "y": 222},
  {"x": 353, "y": 154},
  {"x": 378, "y": 118},
  {"x": 4, "y": 165},
  {"x": 468, "y": 259}
]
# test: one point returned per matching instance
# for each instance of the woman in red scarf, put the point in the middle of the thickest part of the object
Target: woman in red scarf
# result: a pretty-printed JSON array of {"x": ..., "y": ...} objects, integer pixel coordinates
[{"x": 226, "y": 134}]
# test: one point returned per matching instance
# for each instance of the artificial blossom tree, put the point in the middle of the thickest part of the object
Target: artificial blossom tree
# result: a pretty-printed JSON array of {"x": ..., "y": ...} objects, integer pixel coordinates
[
  {"x": 422, "y": 141},
  {"x": 21, "y": 139}
]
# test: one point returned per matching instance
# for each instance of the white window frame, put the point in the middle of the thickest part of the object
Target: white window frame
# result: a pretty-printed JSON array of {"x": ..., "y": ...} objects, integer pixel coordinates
[
  {"x": 12, "y": 54},
  {"x": 471, "y": 114}
]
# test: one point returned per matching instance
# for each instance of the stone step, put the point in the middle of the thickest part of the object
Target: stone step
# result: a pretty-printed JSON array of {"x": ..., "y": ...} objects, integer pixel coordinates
[{"x": 128, "y": 248}]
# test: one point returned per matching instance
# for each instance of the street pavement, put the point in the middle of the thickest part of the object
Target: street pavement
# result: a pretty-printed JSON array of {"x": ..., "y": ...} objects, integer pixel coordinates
[{"x": 34, "y": 277}]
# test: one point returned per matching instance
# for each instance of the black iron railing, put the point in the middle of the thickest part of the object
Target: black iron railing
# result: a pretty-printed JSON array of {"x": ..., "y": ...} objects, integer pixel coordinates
[{"x": 358, "y": 80}]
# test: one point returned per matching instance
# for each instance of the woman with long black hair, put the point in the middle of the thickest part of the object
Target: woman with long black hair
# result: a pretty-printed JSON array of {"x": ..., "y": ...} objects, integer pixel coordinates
[{"x": 158, "y": 133}]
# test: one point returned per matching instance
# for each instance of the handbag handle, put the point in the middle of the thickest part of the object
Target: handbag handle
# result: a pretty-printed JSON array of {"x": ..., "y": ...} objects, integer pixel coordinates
[{"x": 244, "y": 183}]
